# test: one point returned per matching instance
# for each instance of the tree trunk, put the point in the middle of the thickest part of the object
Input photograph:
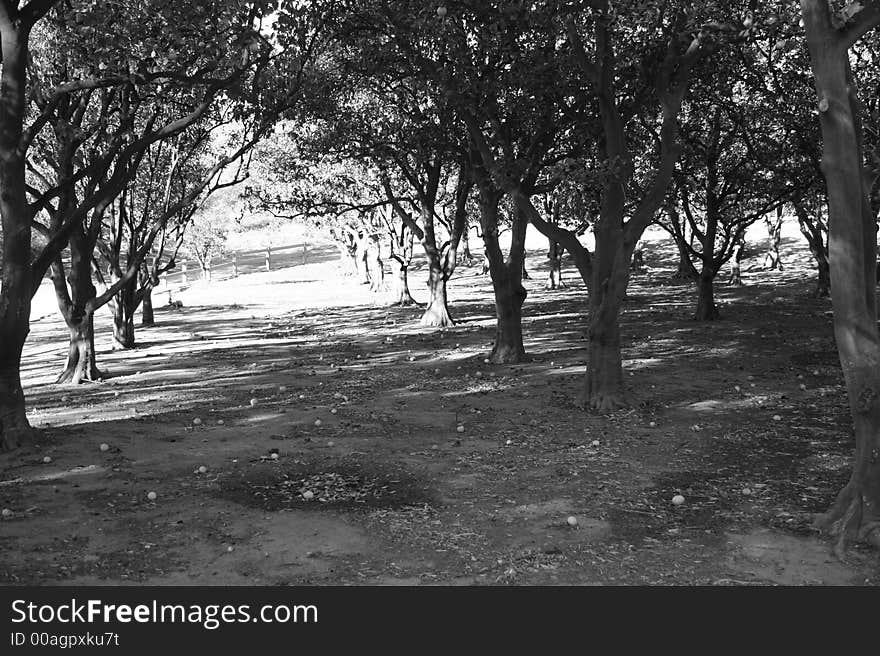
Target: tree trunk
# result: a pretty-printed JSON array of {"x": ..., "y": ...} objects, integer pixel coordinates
[
  {"x": 465, "y": 253},
  {"x": 554, "y": 276},
  {"x": 506, "y": 277},
  {"x": 605, "y": 367},
  {"x": 376, "y": 266},
  {"x": 611, "y": 268},
  {"x": 604, "y": 388},
  {"x": 361, "y": 264},
  {"x": 813, "y": 230},
  {"x": 74, "y": 296},
  {"x": 123, "y": 308},
  {"x": 853, "y": 253},
  {"x": 772, "y": 260},
  {"x": 736, "y": 266},
  {"x": 401, "y": 285},
  {"x": 123, "y": 329},
  {"x": 15, "y": 430},
  {"x": 706, "y": 308},
  {"x": 81, "y": 366},
  {"x": 509, "y": 298},
  {"x": 686, "y": 269},
  {"x": 17, "y": 287},
  {"x": 823, "y": 279},
  {"x": 147, "y": 316},
  {"x": 437, "y": 312}
]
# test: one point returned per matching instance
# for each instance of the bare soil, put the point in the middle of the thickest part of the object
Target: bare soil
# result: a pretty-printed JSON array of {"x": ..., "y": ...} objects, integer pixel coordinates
[{"x": 745, "y": 417}]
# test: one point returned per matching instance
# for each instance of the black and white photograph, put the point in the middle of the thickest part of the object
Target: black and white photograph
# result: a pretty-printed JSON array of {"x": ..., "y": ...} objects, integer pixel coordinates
[{"x": 374, "y": 293}]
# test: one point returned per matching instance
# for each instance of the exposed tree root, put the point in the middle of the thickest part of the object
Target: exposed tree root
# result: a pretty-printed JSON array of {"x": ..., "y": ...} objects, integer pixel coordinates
[
  {"x": 436, "y": 317},
  {"x": 846, "y": 521},
  {"x": 75, "y": 375}
]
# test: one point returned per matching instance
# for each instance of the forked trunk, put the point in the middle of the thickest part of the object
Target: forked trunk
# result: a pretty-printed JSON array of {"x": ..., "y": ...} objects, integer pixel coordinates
[{"x": 81, "y": 366}]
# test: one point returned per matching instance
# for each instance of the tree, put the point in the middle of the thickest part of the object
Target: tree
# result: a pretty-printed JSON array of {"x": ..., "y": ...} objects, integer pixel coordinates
[
  {"x": 722, "y": 184},
  {"x": 18, "y": 277},
  {"x": 216, "y": 54},
  {"x": 852, "y": 248},
  {"x": 631, "y": 90},
  {"x": 500, "y": 68}
]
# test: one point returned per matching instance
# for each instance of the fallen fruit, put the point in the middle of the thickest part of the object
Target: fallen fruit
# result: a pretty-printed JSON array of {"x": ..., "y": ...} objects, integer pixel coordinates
[
  {"x": 7, "y": 513},
  {"x": 197, "y": 422},
  {"x": 104, "y": 447},
  {"x": 254, "y": 402},
  {"x": 677, "y": 500},
  {"x": 46, "y": 460},
  {"x": 308, "y": 495},
  {"x": 203, "y": 470},
  {"x": 274, "y": 456},
  {"x": 152, "y": 496},
  {"x": 318, "y": 423},
  {"x": 572, "y": 520},
  {"x": 594, "y": 443},
  {"x": 460, "y": 428}
]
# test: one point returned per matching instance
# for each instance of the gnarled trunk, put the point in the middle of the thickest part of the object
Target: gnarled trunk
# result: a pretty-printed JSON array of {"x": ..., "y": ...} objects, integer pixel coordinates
[
  {"x": 123, "y": 329},
  {"x": 401, "y": 285},
  {"x": 686, "y": 269},
  {"x": 74, "y": 302},
  {"x": 437, "y": 312},
  {"x": 123, "y": 308},
  {"x": 506, "y": 278},
  {"x": 81, "y": 365}
]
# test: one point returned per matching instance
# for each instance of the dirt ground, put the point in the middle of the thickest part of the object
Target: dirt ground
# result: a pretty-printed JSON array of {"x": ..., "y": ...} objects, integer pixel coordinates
[{"x": 289, "y": 443}]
